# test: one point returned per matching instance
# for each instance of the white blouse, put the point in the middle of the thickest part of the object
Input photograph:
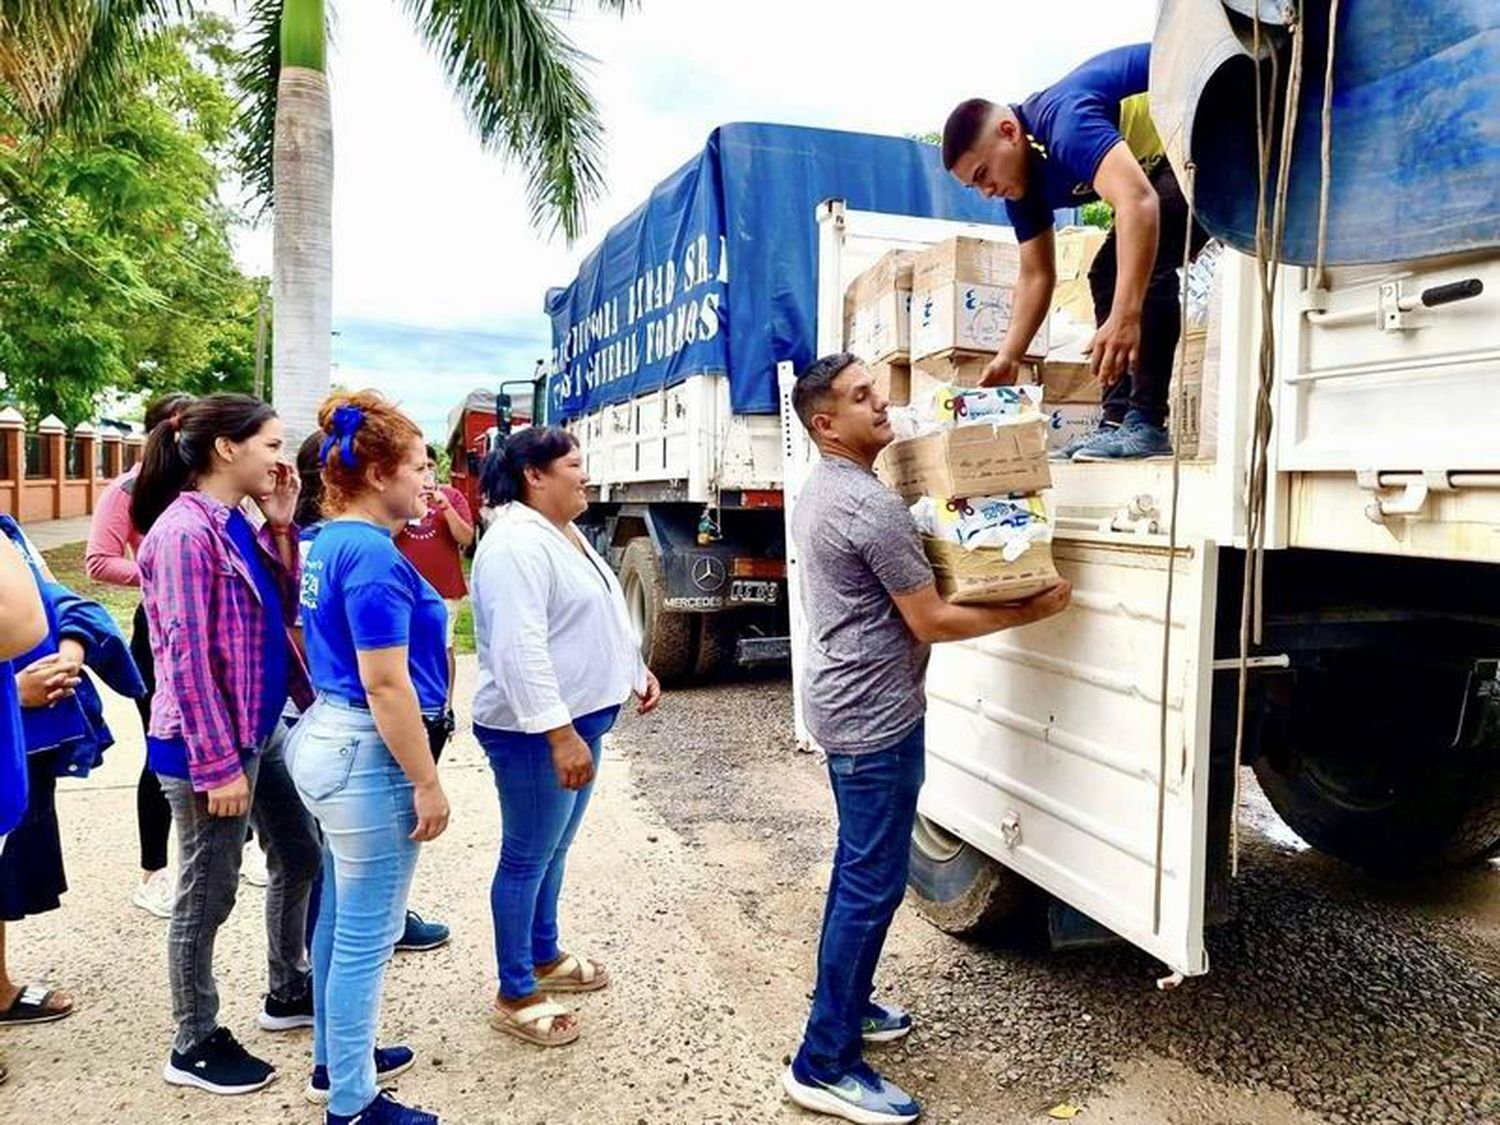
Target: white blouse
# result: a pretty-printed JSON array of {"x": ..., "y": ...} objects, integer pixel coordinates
[{"x": 555, "y": 639}]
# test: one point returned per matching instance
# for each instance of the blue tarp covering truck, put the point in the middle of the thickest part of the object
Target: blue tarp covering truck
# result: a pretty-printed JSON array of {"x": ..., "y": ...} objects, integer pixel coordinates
[{"x": 664, "y": 359}]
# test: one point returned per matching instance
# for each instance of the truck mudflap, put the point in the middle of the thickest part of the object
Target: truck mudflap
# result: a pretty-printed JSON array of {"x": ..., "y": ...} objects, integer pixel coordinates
[{"x": 1044, "y": 747}]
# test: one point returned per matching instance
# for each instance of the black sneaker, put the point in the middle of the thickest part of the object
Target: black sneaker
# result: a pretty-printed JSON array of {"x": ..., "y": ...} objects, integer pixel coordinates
[
  {"x": 287, "y": 1012},
  {"x": 219, "y": 1065}
]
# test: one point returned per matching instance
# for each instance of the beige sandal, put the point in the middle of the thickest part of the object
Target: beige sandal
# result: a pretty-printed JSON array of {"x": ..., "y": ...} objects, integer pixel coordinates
[
  {"x": 572, "y": 975},
  {"x": 536, "y": 1023}
]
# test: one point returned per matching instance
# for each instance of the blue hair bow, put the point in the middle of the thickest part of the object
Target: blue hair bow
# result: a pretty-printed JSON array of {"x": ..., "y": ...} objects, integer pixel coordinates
[{"x": 346, "y": 422}]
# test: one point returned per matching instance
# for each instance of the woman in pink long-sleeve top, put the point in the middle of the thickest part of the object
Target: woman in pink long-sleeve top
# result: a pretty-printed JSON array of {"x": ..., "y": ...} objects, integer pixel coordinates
[{"x": 110, "y": 558}]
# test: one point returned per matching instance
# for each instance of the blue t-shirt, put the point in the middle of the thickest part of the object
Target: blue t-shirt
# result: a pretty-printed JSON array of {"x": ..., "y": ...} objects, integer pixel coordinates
[
  {"x": 12, "y": 751},
  {"x": 1073, "y": 123},
  {"x": 276, "y": 666},
  {"x": 360, "y": 593}
]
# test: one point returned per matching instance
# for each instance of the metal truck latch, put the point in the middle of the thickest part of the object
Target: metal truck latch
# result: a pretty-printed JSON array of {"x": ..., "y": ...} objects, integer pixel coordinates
[
  {"x": 1010, "y": 830},
  {"x": 1414, "y": 492}
]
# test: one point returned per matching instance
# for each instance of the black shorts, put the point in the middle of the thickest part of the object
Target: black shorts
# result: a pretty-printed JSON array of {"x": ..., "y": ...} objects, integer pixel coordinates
[{"x": 32, "y": 879}]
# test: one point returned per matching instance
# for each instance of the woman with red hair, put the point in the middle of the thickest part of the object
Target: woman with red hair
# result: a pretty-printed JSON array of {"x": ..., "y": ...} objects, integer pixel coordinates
[{"x": 376, "y": 638}]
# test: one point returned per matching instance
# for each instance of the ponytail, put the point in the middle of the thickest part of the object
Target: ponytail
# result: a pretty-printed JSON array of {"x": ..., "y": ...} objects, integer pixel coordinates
[
  {"x": 503, "y": 479},
  {"x": 181, "y": 448}
]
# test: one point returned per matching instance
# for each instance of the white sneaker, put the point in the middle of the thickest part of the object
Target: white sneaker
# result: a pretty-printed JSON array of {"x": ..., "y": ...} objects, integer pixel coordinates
[
  {"x": 253, "y": 866},
  {"x": 157, "y": 894}
]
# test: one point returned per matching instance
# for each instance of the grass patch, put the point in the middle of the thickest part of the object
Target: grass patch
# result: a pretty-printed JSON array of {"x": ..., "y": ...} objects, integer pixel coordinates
[
  {"x": 67, "y": 565},
  {"x": 463, "y": 637}
]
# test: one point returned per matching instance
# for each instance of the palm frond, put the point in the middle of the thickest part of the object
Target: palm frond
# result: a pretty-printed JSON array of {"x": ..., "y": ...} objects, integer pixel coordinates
[
  {"x": 256, "y": 77},
  {"x": 521, "y": 83},
  {"x": 63, "y": 61}
]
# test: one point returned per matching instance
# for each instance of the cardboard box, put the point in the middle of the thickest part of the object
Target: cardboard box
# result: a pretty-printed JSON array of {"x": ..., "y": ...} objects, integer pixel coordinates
[
  {"x": 1069, "y": 422},
  {"x": 955, "y": 369},
  {"x": 878, "y": 309},
  {"x": 1070, "y": 384},
  {"x": 893, "y": 380},
  {"x": 962, "y": 292},
  {"x": 1185, "y": 428},
  {"x": 983, "y": 577},
  {"x": 972, "y": 460}
]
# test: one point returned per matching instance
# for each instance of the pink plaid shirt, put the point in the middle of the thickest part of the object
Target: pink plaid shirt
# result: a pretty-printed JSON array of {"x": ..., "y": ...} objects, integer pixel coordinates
[{"x": 207, "y": 630}]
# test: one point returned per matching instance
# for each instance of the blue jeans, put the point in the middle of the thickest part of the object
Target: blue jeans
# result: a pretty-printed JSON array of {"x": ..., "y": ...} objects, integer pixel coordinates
[
  {"x": 348, "y": 779},
  {"x": 876, "y": 798},
  {"x": 538, "y": 820}
]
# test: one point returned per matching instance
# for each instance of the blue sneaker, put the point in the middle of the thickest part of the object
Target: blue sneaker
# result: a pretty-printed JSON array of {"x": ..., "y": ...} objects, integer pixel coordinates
[
  {"x": 861, "y": 1096},
  {"x": 384, "y": 1110},
  {"x": 390, "y": 1063},
  {"x": 885, "y": 1024},
  {"x": 1067, "y": 452},
  {"x": 421, "y": 935},
  {"x": 1135, "y": 440}
]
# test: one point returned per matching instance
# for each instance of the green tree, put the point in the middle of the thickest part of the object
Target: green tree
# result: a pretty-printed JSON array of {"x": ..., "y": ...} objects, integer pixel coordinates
[
  {"x": 1097, "y": 214},
  {"x": 116, "y": 268}
]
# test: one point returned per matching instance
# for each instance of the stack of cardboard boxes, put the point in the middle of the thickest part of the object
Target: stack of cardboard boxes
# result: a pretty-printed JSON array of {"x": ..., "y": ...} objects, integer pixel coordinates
[
  {"x": 877, "y": 323},
  {"x": 935, "y": 319},
  {"x": 976, "y": 460},
  {"x": 963, "y": 291}
]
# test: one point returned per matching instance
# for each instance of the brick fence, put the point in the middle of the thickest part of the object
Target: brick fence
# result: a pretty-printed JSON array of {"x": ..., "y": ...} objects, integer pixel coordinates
[{"x": 49, "y": 474}]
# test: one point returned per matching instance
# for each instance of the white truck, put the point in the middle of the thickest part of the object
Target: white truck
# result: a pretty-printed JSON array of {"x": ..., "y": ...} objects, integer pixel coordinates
[{"x": 1060, "y": 757}]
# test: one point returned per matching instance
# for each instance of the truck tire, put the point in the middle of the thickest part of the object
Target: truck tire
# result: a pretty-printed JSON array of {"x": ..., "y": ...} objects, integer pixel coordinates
[
  {"x": 1372, "y": 777},
  {"x": 715, "y": 643},
  {"x": 668, "y": 640},
  {"x": 959, "y": 889}
]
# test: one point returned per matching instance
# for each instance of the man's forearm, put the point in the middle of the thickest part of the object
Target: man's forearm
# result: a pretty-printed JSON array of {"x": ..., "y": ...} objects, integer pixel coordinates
[
  {"x": 1137, "y": 229},
  {"x": 460, "y": 528},
  {"x": 965, "y": 622},
  {"x": 1033, "y": 300}
]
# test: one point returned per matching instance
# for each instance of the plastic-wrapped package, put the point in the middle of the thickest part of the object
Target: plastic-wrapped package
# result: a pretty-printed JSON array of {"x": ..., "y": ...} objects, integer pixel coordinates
[
  {"x": 1010, "y": 524},
  {"x": 956, "y": 406}
]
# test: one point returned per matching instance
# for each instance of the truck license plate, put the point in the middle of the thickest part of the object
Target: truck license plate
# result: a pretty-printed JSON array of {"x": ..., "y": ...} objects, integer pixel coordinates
[{"x": 756, "y": 593}]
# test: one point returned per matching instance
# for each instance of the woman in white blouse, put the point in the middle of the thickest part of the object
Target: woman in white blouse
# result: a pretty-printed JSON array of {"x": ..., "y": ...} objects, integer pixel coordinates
[{"x": 558, "y": 657}]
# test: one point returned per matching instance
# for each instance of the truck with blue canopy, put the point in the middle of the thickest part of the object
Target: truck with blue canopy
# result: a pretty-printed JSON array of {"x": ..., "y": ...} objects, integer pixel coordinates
[
  {"x": 664, "y": 357},
  {"x": 1313, "y": 598}
]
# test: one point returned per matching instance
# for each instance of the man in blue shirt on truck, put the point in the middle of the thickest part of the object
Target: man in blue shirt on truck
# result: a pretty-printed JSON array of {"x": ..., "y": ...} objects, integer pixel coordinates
[{"x": 1086, "y": 137}]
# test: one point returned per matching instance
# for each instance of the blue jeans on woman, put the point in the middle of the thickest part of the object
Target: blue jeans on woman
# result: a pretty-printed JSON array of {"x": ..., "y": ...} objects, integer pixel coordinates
[
  {"x": 538, "y": 819},
  {"x": 876, "y": 798},
  {"x": 362, "y": 800}
]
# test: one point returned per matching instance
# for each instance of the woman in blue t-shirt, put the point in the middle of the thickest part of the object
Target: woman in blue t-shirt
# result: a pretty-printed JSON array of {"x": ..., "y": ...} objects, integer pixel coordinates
[{"x": 376, "y": 639}]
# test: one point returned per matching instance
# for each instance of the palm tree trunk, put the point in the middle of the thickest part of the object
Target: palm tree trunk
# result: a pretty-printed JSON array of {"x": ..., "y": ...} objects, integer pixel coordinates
[{"x": 302, "y": 203}]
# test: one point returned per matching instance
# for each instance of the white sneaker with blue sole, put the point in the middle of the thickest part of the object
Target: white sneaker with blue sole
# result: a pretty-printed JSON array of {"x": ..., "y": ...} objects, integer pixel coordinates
[{"x": 861, "y": 1096}]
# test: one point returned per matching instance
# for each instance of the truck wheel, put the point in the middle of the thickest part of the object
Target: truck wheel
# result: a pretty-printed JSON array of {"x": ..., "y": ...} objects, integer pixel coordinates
[
  {"x": 958, "y": 888},
  {"x": 715, "y": 642},
  {"x": 1371, "y": 775},
  {"x": 668, "y": 640}
]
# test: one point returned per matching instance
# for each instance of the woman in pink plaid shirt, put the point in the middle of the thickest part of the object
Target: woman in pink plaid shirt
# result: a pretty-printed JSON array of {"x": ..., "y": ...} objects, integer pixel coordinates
[{"x": 219, "y": 597}]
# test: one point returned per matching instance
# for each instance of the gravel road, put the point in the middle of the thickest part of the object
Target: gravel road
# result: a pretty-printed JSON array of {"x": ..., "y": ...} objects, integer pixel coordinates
[
  {"x": 699, "y": 878},
  {"x": 1331, "y": 998}
]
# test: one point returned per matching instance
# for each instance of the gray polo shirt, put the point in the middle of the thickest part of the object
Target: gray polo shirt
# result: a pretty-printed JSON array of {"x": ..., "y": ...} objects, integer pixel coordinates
[{"x": 856, "y": 547}]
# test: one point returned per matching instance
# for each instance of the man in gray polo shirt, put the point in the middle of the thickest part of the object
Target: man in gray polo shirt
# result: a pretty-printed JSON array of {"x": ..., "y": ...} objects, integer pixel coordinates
[{"x": 872, "y": 612}]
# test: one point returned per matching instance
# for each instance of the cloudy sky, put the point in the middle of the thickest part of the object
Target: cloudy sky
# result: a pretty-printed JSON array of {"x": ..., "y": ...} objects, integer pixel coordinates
[{"x": 439, "y": 279}]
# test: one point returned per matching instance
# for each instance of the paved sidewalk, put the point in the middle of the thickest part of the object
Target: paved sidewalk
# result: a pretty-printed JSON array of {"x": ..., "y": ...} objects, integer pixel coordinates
[{"x": 49, "y": 534}]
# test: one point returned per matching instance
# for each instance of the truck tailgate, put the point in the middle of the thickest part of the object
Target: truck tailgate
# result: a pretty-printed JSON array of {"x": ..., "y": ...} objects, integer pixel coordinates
[{"x": 1044, "y": 747}]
